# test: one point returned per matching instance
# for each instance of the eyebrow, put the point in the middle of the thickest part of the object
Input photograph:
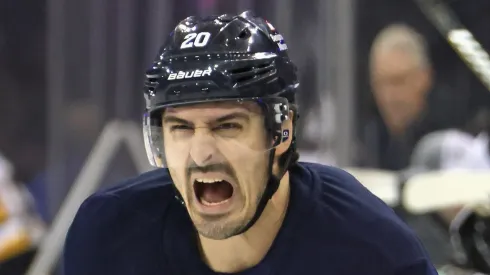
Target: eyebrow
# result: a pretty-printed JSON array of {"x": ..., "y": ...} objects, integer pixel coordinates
[
  {"x": 176, "y": 120},
  {"x": 235, "y": 115}
]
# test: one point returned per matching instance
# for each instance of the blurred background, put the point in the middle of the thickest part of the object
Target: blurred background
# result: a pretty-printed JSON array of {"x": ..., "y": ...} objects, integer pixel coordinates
[{"x": 383, "y": 93}]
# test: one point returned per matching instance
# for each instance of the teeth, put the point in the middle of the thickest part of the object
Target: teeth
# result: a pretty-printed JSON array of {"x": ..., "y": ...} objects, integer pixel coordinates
[
  {"x": 213, "y": 203},
  {"x": 208, "y": 180}
]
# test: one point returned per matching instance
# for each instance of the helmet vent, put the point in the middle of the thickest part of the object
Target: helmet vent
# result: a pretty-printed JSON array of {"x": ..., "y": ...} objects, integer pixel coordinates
[
  {"x": 248, "y": 74},
  {"x": 151, "y": 81},
  {"x": 152, "y": 77},
  {"x": 244, "y": 34}
]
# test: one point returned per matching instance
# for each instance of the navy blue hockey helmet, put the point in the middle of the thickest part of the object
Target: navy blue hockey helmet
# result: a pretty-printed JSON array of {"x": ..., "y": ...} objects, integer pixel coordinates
[{"x": 239, "y": 58}]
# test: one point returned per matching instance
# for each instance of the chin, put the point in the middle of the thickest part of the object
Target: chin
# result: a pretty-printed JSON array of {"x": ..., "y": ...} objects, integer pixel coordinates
[{"x": 219, "y": 228}]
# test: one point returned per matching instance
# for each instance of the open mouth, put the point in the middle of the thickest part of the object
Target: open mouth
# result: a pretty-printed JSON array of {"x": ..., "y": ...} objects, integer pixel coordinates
[{"x": 212, "y": 192}]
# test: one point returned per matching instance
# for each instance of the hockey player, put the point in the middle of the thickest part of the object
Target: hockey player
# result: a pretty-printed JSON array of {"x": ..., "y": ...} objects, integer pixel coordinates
[{"x": 229, "y": 196}]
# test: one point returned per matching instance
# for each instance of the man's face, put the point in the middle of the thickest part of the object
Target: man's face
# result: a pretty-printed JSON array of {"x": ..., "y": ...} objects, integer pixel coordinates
[
  {"x": 218, "y": 156},
  {"x": 399, "y": 84}
]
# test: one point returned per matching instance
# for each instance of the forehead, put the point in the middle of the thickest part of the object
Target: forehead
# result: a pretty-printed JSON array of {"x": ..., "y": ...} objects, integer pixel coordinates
[
  {"x": 212, "y": 110},
  {"x": 388, "y": 62}
]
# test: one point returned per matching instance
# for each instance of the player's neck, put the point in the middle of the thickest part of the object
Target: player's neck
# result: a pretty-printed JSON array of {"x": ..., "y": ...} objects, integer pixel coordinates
[{"x": 248, "y": 249}]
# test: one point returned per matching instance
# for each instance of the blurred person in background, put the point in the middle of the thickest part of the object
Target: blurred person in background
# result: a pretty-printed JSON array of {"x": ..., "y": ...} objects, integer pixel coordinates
[
  {"x": 409, "y": 106},
  {"x": 21, "y": 228}
]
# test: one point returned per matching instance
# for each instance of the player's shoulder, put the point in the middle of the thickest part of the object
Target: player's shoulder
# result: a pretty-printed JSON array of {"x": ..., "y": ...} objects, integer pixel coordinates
[
  {"x": 117, "y": 221},
  {"x": 148, "y": 182},
  {"x": 141, "y": 197},
  {"x": 339, "y": 184},
  {"x": 353, "y": 214},
  {"x": 339, "y": 191}
]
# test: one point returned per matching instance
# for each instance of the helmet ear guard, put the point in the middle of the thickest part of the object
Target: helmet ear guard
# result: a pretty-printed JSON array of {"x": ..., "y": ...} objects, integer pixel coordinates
[
  {"x": 286, "y": 135},
  {"x": 280, "y": 115}
]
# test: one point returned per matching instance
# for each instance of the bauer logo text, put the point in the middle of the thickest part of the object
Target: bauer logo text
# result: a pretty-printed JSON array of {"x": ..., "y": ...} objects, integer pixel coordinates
[{"x": 189, "y": 74}]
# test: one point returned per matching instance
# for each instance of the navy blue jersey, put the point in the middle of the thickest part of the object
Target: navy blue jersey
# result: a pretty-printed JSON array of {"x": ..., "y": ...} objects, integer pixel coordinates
[{"x": 333, "y": 226}]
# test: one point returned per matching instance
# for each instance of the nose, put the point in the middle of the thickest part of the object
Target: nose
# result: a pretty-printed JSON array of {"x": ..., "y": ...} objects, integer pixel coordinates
[{"x": 203, "y": 149}]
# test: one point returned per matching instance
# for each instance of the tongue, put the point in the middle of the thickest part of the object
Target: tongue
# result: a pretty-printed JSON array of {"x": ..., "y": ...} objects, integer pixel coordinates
[{"x": 216, "y": 192}]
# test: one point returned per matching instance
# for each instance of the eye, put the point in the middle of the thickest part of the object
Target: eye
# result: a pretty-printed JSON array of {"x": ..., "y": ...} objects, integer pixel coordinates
[
  {"x": 180, "y": 127},
  {"x": 229, "y": 126},
  {"x": 228, "y": 129}
]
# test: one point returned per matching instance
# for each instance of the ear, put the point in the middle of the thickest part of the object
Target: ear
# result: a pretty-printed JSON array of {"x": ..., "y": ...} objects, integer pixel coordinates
[{"x": 287, "y": 136}]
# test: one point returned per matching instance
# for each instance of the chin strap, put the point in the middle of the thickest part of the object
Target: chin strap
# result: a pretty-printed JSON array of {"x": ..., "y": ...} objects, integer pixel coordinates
[{"x": 270, "y": 188}]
